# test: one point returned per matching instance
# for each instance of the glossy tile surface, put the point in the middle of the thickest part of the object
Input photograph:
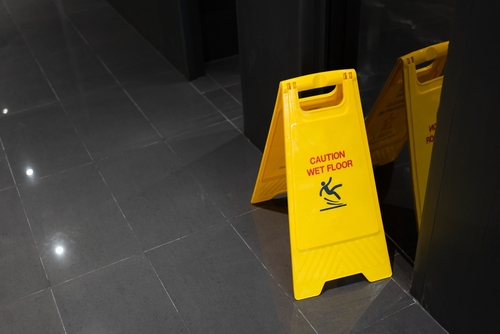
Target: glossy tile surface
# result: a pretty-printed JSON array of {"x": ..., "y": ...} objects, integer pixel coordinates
[
  {"x": 23, "y": 86},
  {"x": 230, "y": 107},
  {"x": 137, "y": 216},
  {"x": 132, "y": 58},
  {"x": 5, "y": 175},
  {"x": 220, "y": 287},
  {"x": 412, "y": 319},
  {"x": 55, "y": 37},
  {"x": 22, "y": 271},
  {"x": 75, "y": 210},
  {"x": 224, "y": 71},
  {"x": 225, "y": 164},
  {"x": 108, "y": 122},
  {"x": 160, "y": 198},
  {"x": 74, "y": 72},
  {"x": 125, "y": 297},
  {"x": 172, "y": 105},
  {"x": 106, "y": 24},
  {"x": 43, "y": 140},
  {"x": 36, "y": 313}
]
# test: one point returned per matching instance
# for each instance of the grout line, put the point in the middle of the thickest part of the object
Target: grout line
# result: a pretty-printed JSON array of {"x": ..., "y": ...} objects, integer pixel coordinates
[
  {"x": 30, "y": 108},
  {"x": 118, "y": 82},
  {"x": 8, "y": 163},
  {"x": 168, "y": 294},
  {"x": 224, "y": 87},
  {"x": 62, "y": 16},
  {"x": 141, "y": 111},
  {"x": 213, "y": 105},
  {"x": 93, "y": 271},
  {"x": 57, "y": 308},
  {"x": 56, "y": 173},
  {"x": 121, "y": 211},
  {"x": 305, "y": 318},
  {"x": 274, "y": 278},
  {"x": 185, "y": 236},
  {"x": 381, "y": 319},
  {"x": 26, "y": 216}
]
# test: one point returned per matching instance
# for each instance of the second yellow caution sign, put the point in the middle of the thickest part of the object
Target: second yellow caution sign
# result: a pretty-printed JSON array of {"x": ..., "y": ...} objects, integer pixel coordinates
[
  {"x": 423, "y": 94},
  {"x": 335, "y": 224}
]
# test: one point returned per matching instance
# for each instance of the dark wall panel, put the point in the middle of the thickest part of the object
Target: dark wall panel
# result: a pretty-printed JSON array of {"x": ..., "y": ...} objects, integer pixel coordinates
[
  {"x": 171, "y": 26},
  {"x": 457, "y": 262},
  {"x": 282, "y": 39},
  {"x": 219, "y": 28}
]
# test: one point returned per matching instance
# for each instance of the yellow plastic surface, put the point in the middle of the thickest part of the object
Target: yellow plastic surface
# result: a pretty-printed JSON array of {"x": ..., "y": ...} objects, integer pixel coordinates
[
  {"x": 335, "y": 224},
  {"x": 271, "y": 180},
  {"x": 422, "y": 93},
  {"x": 386, "y": 125}
]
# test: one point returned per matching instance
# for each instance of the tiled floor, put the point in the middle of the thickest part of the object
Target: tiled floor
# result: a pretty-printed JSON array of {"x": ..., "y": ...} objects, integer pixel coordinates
[{"x": 134, "y": 216}]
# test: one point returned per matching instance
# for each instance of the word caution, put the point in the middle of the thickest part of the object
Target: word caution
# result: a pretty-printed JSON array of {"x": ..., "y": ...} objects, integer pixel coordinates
[{"x": 328, "y": 163}]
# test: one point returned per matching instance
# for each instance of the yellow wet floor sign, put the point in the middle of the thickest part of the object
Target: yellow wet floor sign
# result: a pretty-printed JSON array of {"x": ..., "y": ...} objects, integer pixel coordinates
[
  {"x": 317, "y": 152},
  {"x": 407, "y": 109},
  {"x": 422, "y": 93}
]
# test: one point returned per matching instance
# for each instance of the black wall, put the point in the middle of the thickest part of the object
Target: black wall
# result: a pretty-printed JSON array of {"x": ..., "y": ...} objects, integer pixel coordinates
[
  {"x": 283, "y": 39},
  {"x": 458, "y": 254},
  {"x": 219, "y": 28},
  {"x": 187, "y": 32}
]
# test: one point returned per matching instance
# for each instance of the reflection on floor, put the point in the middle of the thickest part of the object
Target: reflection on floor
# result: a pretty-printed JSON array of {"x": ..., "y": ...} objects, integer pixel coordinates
[{"x": 124, "y": 195}]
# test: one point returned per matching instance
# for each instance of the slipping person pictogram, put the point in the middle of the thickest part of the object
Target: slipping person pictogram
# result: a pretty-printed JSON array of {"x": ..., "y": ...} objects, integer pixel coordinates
[{"x": 331, "y": 191}]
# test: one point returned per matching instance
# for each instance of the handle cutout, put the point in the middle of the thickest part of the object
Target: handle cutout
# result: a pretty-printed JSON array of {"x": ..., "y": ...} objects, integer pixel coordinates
[
  {"x": 320, "y": 98},
  {"x": 429, "y": 70}
]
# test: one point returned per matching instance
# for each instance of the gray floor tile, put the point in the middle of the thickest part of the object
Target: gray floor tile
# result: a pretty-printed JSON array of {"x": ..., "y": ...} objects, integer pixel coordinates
[
  {"x": 219, "y": 286},
  {"x": 389, "y": 301},
  {"x": 28, "y": 13},
  {"x": 161, "y": 201},
  {"x": 6, "y": 22},
  {"x": 13, "y": 47},
  {"x": 411, "y": 320},
  {"x": 6, "y": 180},
  {"x": 109, "y": 122},
  {"x": 402, "y": 272},
  {"x": 22, "y": 271},
  {"x": 54, "y": 37},
  {"x": 76, "y": 6},
  {"x": 235, "y": 91},
  {"x": 34, "y": 314},
  {"x": 172, "y": 104},
  {"x": 106, "y": 25},
  {"x": 23, "y": 86},
  {"x": 342, "y": 305},
  {"x": 132, "y": 58},
  {"x": 126, "y": 297},
  {"x": 239, "y": 122},
  {"x": 43, "y": 140},
  {"x": 75, "y": 210},
  {"x": 76, "y": 72},
  {"x": 224, "y": 162},
  {"x": 204, "y": 84},
  {"x": 266, "y": 232},
  {"x": 225, "y": 103},
  {"x": 226, "y": 72}
]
